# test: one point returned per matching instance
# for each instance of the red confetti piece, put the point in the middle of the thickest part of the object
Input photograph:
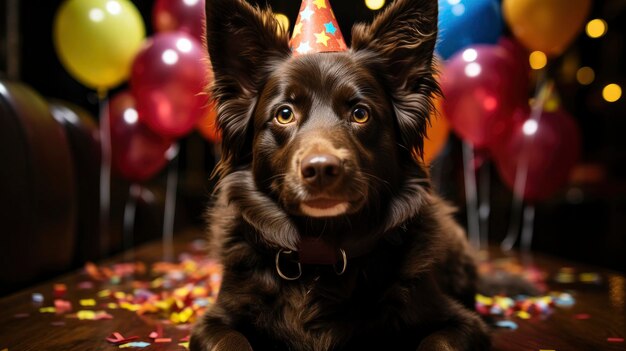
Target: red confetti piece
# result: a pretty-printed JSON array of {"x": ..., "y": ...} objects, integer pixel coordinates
[
  {"x": 186, "y": 338},
  {"x": 582, "y": 316},
  {"x": 162, "y": 340},
  {"x": 117, "y": 338},
  {"x": 615, "y": 339}
]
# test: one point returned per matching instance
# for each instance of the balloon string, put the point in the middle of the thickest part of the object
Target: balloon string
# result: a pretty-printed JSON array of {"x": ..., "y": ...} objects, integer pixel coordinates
[
  {"x": 170, "y": 204},
  {"x": 527, "y": 228},
  {"x": 544, "y": 90},
  {"x": 471, "y": 197},
  {"x": 484, "y": 207},
  {"x": 134, "y": 191},
  {"x": 105, "y": 173}
]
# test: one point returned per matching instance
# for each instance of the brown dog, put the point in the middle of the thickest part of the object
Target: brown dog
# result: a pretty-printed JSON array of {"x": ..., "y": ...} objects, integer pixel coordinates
[{"x": 329, "y": 232}]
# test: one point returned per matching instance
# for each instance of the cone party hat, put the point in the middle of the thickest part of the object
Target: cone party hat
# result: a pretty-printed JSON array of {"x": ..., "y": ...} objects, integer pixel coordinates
[{"x": 316, "y": 29}]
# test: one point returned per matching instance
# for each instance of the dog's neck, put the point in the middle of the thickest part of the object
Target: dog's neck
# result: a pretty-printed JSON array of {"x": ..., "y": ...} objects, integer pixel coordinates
[{"x": 281, "y": 231}]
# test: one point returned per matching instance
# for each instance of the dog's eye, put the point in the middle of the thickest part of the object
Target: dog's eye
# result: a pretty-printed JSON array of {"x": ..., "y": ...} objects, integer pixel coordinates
[
  {"x": 285, "y": 115},
  {"x": 360, "y": 115}
]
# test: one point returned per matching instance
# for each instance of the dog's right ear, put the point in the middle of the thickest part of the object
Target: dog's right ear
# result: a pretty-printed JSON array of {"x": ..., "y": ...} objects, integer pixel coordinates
[{"x": 244, "y": 43}]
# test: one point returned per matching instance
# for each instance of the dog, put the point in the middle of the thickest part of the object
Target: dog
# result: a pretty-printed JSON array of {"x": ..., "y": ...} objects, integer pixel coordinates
[{"x": 324, "y": 218}]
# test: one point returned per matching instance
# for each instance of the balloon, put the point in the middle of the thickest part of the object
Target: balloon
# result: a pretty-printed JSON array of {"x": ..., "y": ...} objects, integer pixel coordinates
[
  {"x": 466, "y": 22},
  {"x": 207, "y": 126},
  {"x": 168, "y": 80},
  {"x": 97, "y": 40},
  {"x": 180, "y": 15},
  {"x": 551, "y": 147},
  {"x": 548, "y": 26},
  {"x": 137, "y": 152},
  {"x": 437, "y": 133},
  {"x": 483, "y": 86}
]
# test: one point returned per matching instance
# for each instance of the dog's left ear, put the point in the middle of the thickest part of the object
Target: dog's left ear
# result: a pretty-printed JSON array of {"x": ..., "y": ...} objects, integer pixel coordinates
[{"x": 403, "y": 37}]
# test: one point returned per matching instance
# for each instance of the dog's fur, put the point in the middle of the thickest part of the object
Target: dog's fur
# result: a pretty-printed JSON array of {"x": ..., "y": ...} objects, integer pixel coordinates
[{"x": 412, "y": 285}]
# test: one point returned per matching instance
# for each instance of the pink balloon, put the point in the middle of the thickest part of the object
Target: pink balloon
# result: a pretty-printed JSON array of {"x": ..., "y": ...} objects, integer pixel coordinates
[
  {"x": 137, "y": 152},
  {"x": 168, "y": 79},
  {"x": 180, "y": 15},
  {"x": 551, "y": 147},
  {"x": 483, "y": 86}
]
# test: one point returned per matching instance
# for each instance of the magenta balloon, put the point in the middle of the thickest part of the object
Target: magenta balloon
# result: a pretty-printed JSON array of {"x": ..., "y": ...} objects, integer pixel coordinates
[
  {"x": 180, "y": 15},
  {"x": 552, "y": 147},
  {"x": 137, "y": 152},
  {"x": 483, "y": 85},
  {"x": 168, "y": 80}
]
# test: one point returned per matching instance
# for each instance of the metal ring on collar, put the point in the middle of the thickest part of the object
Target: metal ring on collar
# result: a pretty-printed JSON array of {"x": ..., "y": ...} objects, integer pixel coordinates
[
  {"x": 280, "y": 273},
  {"x": 345, "y": 263}
]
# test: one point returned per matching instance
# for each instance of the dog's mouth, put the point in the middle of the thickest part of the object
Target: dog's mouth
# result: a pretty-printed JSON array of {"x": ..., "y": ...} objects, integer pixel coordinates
[{"x": 324, "y": 207}]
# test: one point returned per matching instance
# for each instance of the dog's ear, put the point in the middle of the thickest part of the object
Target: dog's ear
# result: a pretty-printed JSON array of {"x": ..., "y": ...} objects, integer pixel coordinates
[
  {"x": 244, "y": 43},
  {"x": 403, "y": 38}
]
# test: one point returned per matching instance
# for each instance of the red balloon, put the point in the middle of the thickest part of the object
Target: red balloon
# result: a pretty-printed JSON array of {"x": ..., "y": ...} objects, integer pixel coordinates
[
  {"x": 137, "y": 152},
  {"x": 180, "y": 15},
  {"x": 551, "y": 147},
  {"x": 483, "y": 86},
  {"x": 168, "y": 80}
]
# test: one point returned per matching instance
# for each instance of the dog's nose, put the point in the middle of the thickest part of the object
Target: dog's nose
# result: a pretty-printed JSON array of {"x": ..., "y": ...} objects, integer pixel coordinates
[{"x": 321, "y": 170}]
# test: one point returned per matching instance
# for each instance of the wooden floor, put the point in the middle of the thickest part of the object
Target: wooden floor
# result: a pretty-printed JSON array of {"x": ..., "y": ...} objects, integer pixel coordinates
[{"x": 596, "y": 321}]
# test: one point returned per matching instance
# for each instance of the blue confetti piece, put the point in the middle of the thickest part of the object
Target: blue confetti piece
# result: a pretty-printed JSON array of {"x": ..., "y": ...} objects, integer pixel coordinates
[
  {"x": 37, "y": 297},
  {"x": 506, "y": 324},
  {"x": 564, "y": 300},
  {"x": 140, "y": 344}
]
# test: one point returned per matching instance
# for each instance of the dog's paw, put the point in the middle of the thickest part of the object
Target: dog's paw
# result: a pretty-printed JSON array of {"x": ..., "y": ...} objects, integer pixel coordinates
[{"x": 232, "y": 341}]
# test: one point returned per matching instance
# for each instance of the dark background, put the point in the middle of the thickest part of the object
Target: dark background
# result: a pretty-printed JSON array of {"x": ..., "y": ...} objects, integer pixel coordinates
[{"x": 585, "y": 222}]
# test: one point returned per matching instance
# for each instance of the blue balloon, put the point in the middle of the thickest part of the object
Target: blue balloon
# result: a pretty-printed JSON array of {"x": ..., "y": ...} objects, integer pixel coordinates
[{"x": 466, "y": 22}]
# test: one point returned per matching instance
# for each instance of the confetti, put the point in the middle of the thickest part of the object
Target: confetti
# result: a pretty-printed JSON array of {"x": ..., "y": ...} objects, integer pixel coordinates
[
  {"x": 162, "y": 340},
  {"x": 590, "y": 278},
  {"x": 185, "y": 344},
  {"x": 615, "y": 339},
  {"x": 37, "y": 298},
  {"x": 582, "y": 316},
  {"x": 506, "y": 324},
  {"x": 85, "y": 285},
  {"x": 87, "y": 302},
  {"x": 59, "y": 290},
  {"x": 117, "y": 338},
  {"x": 62, "y": 306},
  {"x": 48, "y": 310},
  {"x": 140, "y": 344}
]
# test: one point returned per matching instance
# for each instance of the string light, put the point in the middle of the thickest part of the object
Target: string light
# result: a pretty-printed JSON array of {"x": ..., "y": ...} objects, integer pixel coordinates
[
  {"x": 612, "y": 92},
  {"x": 538, "y": 60},
  {"x": 596, "y": 28},
  {"x": 374, "y": 4}
]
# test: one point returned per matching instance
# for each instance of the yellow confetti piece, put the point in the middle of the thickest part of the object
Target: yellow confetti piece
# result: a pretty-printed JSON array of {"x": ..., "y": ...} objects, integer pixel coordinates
[
  {"x": 86, "y": 315},
  {"x": 174, "y": 318},
  {"x": 523, "y": 314},
  {"x": 47, "y": 310},
  {"x": 589, "y": 277},
  {"x": 546, "y": 350},
  {"x": 87, "y": 302},
  {"x": 133, "y": 307},
  {"x": 104, "y": 293},
  {"x": 157, "y": 283},
  {"x": 112, "y": 306},
  {"x": 183, "y": 344},
  {"x": 119, "y": 295},
  {"x": 484, "y": 299}
]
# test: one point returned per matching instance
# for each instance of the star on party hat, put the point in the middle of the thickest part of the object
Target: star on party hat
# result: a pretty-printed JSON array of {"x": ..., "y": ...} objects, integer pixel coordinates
[{"x": 316, "y": 29}]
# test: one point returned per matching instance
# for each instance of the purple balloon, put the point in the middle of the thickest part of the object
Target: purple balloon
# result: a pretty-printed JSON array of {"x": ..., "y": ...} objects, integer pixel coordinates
[
  {"x": 483, "y": 86},
  {"x": 168, "y": 79}
]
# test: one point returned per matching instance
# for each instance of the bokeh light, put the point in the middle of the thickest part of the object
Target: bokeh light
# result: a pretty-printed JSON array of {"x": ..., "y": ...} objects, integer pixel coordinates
[
  {"x": 585, "y": 75},
  {"x": 537, "y": 59},
  {"x": 612, "y": 92},
  {"x": 374, "y": 4},
  {"x": 596, "y": 28},
  {"x": 282, "y": 20}
]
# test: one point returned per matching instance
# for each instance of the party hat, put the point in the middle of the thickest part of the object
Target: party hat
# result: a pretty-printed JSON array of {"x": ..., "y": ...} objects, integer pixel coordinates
[{"x": 316, "y": 29}]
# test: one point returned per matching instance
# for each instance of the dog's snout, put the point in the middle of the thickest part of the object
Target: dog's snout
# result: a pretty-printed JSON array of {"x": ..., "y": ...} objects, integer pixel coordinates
[{"x": 321, "y": 170}]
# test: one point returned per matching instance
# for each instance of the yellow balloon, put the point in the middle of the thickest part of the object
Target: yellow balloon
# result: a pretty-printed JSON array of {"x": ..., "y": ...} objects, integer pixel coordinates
[
  {"x": 97, "y": 40},
  {"x": 546, "y": 25}
]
